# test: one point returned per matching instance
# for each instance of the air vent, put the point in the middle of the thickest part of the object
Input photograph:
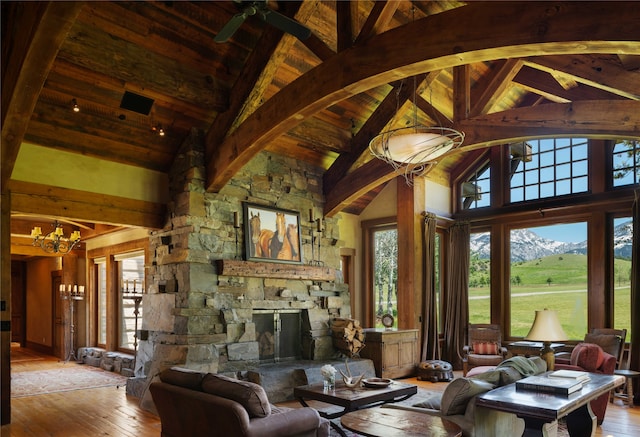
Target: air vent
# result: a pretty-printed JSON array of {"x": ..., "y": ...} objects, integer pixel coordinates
[{"x": 136, "y": 103}]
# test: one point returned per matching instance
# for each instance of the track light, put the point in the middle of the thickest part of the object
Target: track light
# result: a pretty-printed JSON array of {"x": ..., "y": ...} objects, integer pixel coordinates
[{"x": 76, "y": 108}]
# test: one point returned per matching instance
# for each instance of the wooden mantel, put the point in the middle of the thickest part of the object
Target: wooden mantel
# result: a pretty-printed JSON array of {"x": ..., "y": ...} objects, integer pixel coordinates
[{"x": 228, "y": 267}]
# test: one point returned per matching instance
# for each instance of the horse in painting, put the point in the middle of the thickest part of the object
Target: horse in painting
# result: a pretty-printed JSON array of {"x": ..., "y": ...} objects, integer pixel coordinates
[
  {"x": 291, "y": 245},
  {"x": 270, "y": 242},
  {"x": 254, "y": 228}
]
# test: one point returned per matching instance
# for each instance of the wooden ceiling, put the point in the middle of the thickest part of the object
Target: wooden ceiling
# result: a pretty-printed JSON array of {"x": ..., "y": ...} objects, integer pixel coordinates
[{"x": 498, "y": 71}]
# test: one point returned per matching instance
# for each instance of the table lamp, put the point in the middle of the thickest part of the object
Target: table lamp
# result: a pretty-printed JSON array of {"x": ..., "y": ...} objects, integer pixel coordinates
[{"x": 546, "y": 328}]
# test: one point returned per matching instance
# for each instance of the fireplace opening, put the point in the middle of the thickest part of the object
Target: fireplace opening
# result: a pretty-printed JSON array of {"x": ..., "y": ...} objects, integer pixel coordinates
[{"x": 279, "y": 335}]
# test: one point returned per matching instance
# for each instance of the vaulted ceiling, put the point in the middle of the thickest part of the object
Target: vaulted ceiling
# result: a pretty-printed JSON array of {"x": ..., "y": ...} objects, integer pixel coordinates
[{"x": 498, "y": 71}]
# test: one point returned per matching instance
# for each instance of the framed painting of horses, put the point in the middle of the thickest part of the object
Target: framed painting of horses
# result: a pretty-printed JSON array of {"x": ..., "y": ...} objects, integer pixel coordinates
[{"x": 271, "y": 234}]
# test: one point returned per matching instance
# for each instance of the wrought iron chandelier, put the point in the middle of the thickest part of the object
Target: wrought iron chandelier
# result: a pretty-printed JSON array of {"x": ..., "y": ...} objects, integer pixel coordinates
[
  {"x": 414, "y": 149},
  {"x": 55, "y": 241}
]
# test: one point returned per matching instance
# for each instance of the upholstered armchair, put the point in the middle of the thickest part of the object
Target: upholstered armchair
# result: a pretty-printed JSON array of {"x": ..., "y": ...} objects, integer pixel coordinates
[
  {"x": 484, "y": 348},
  {"x": 610, "y": 340},
  {"x": 589, "y": 357}
]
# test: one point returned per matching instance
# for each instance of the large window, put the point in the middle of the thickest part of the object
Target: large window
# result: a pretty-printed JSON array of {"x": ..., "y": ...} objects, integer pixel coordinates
[
  {"x": 101, "y": 287},
  {"x": 622, "y": 237},
  {"x": 548, "y": 168},
  {"x": 476, "y": 190},
  {"x": 385, "y": 274},
  {"x": 480, "y": 278},
  {"x": 626, "y": 163},
  {"x": 131, "y": 272},
  {"x": 549, "y": 270}
]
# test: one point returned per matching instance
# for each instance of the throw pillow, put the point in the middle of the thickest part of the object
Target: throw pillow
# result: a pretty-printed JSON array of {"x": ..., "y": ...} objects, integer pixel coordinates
[
  {"x": 589, "y": 356},
  {"x": 251, "y": 396},
  {"x": 458, "y": 394},
  {"x": 182, "y": 377},
  {"x": 484, "y": 348}
]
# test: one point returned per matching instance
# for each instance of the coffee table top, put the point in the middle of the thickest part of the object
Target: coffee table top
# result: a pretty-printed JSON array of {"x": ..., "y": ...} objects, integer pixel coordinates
[
  {"x": 543, "y": 405},
  {"x": 355, "y": 398},
  {"x": 395, "y": 422}
]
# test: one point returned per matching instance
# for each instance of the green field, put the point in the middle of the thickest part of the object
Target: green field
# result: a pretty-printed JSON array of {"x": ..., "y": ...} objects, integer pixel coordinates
[{"x": 556, "y": 282}]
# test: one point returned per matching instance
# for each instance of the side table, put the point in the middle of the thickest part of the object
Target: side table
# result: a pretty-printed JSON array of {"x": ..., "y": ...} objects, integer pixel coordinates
[{"x": 627, "y": 393}]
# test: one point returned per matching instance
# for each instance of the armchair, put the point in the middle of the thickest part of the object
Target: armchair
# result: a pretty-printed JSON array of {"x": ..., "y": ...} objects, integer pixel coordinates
[
  {"x": 484, "y": 348},
  {"x": 610, "y": 340},
  {"x": 589, "y": 357}
]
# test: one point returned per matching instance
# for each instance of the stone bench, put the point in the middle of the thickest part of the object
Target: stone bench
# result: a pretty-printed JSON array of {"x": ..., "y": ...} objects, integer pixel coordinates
[{"x": 118, "y": 362}]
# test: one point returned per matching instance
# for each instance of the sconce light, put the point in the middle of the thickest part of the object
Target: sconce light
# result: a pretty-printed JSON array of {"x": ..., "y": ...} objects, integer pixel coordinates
[{"x": 75, "y": 106}]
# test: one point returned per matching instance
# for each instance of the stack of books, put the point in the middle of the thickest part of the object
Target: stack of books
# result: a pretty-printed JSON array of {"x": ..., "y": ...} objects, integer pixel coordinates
[{"x": 562, "y": 382}]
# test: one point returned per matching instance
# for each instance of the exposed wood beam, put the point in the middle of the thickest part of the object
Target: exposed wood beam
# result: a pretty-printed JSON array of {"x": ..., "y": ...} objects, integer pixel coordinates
[
  {"x": 372, "y": 127},
  {"x": 258, "y": 73},
  {"x": 593, "y": 119},
  {"x": 495, "y": 89},
  {"x": 45, "y": 38},
  {"x": 318, "y": 47},
  {"x": 378, "y": 20},
  {"x": 590, "y": 118},
  {"x": 542, "y": 83},
  {"x": 30, "y": 198},
  {"x": 477, "y": 39},
  {"x": 461, "y": 92},
  {"x": 593, "y": 71},
  {"x": 356, "y": 184},
  {"x": 343, "y": 25}
]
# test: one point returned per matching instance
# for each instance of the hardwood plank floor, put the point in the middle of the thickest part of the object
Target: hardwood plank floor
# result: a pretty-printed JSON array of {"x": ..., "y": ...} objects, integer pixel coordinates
[{"x": 108, "y": 411}]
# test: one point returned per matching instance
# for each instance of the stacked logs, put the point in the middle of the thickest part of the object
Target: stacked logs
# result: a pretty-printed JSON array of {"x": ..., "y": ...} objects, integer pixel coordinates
[{"x": 348, "y": 336}]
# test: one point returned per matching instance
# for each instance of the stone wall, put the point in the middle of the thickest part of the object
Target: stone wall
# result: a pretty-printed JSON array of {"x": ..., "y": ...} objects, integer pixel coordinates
[{"x": 196, "y": 318}]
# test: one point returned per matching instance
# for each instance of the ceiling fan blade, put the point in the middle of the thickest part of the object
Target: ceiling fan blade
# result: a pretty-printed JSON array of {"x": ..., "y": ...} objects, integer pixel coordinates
[
  {"x": 230, "y": 28},
  {"x": 285, "y": 24}
]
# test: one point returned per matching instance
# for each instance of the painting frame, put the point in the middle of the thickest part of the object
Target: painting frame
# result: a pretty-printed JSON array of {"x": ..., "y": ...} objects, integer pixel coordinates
[{"x": 263, "y": 226}]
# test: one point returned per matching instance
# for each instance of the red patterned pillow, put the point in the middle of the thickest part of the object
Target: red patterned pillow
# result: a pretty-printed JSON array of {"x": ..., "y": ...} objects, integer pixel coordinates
[{"x": 484, "y": 348}]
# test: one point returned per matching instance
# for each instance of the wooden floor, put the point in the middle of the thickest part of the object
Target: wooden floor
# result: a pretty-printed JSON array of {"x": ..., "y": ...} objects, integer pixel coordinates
[{"x": 110, "y": 412}]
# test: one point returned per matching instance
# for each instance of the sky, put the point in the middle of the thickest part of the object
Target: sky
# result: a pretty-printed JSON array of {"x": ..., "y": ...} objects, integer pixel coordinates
[{"x": 568, "y": 233}]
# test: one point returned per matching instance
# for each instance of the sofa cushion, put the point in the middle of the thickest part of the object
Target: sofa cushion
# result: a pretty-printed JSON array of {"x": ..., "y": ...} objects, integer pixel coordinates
[
  {"x": 432, "y": 401},
  {"x": 251, "y": 396},
  {"x": 182, "y": 377},
  {"x": 589, "y": 356},
  {"x": 459, "y": 392},
  {"x": 485, "y": 348}
]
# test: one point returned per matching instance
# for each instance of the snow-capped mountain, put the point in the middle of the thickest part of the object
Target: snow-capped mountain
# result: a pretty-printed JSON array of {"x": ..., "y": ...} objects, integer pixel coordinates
[{"x": 527, "y": 245}]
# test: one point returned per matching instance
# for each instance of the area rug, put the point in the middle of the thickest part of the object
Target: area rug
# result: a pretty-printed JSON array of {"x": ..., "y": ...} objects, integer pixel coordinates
[{"x": 67, "y": 378}]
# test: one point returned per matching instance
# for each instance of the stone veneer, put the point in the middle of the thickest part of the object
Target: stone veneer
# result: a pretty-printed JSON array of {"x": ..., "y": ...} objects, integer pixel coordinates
[{"x": 194, "y": 317}]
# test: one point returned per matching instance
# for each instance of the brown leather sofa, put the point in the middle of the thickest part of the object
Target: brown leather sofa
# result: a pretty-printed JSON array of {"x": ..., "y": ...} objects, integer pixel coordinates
[{"x": 194, "y": 404}]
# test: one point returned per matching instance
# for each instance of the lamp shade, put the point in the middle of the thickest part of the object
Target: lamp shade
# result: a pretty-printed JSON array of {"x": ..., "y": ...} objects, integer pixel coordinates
[{"x": 546, "y": 327}]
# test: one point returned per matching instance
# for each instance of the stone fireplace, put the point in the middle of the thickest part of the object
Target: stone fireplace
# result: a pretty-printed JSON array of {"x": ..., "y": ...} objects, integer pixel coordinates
[
  {"x": 204, "y": 307},
  {"x": 278, "y": 333}
]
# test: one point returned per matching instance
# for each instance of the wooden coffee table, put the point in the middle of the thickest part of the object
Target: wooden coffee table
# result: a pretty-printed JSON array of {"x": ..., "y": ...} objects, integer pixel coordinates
[
  {"x": 352, "y": 399},
  {"x": 541, "y": 410},
  {"x": 394, "y": 422}
]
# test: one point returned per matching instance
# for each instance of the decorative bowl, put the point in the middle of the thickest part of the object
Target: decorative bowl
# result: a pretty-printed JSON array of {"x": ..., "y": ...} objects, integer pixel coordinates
[{"x": 376, "y": 382}]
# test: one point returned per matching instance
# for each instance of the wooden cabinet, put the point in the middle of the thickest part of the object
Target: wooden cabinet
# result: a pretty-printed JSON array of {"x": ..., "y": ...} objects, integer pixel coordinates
[{"x": 394, "y": 352}]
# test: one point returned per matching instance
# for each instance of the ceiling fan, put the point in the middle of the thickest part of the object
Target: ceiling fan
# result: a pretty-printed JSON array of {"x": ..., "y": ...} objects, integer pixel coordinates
[{"x": 267, "y": 14}]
